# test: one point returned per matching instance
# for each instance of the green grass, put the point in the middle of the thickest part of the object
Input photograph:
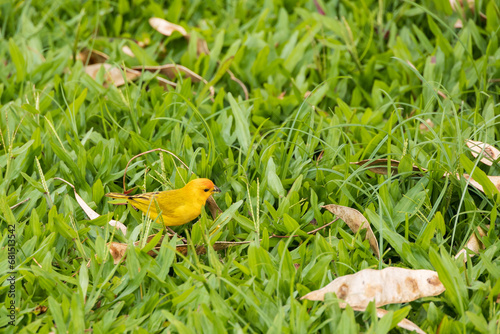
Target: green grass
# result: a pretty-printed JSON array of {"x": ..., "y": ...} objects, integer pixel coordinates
[{"x": 376, "y": 71}]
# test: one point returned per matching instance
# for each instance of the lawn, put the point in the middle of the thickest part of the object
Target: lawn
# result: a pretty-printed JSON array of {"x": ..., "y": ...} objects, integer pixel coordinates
[{"x": 366, "y": 107}]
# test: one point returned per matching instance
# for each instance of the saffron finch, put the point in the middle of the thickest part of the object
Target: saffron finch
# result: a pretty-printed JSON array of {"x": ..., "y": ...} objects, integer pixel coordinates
[{"x": 178, "y": 206}]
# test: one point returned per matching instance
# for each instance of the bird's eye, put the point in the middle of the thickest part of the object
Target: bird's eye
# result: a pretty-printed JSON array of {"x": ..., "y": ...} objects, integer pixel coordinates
[{"x": 205, "y": 190}]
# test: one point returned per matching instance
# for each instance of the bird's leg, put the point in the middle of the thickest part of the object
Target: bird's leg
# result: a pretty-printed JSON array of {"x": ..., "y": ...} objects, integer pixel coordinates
[{"x": 170, "y": 230}]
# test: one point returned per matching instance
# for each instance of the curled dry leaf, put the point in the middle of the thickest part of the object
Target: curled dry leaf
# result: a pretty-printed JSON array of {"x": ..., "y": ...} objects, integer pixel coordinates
[
  {"x": 97, "y": 57},
  {"x": 165, "y": 27},
  {"x": 458, "y": 24},
  {"x": 114, "y": 75},
  {"x": 488, "y": 152},
  {"x": 424, "y": 128},
  {"x": 474, "y": 244},
  {"x": 91, "y": 213},
  {"x": 117, "y": 251},
  {"x": 355, "y": 220},
  {"x": 40, "y": 309},
  {"x": 405, "y": 323},
  {"x": 494, "y": 179},
  {"x": 387, "y": 286},
  {"x": 379, "y": 166},
  {"x": 213, "y": 207},
  {"x": 202, "y": 47},
  {"x": 91, "y": 57},
  {"x": 128, "y": 51}
]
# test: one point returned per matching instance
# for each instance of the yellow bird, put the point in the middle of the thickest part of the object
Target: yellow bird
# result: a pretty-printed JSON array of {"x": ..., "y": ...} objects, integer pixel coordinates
[{"x": 178, "y": 206}]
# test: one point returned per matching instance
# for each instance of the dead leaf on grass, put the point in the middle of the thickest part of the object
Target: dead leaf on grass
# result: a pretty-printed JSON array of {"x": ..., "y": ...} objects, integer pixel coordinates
[
  {"x": 202, "y": 47},
  {"x": 387, "y": 286},
  {"x": 128, "y": 51},
  {"x": 117, "y": 251},
  {"x": 488, "y": 152},
  {"x": 213, "y": 207},
  {"x": 166, "y": 28},
  {"x": 40, "y": 309},
  {"x": 474, "y": 244},
  {"x": 114, "y": 74},
  {"x": 91, "y": 213},
  {"x": 405, "y": 323},
  {"x": 90, "y": 57},
  {"x": 494, "y": 179},
  {"x": 356, "y": 221},
  {"x": 425, "y": 128}
]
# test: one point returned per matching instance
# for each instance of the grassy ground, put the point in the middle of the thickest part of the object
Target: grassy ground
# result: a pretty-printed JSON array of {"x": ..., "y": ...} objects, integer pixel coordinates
[{"x": 383, "y": 79}]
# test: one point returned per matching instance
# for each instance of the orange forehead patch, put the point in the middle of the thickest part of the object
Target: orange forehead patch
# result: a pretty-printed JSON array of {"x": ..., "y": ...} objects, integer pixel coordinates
[{"x": 203, "y": 183}]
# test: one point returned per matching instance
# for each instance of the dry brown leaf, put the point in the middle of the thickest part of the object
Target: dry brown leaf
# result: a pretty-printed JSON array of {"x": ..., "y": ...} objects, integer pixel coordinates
[
  {"x": 355, "y": 220},
  {"x": 213, "y": 207},
  {"x": 387, "y": 286},
  {"x": 166, "y": 28},
  {"x": 117, "y": 251},
  {"x": 91, "y": 57},
  {"x": 425, "y": 128},
  {"x": 474, "y": 244},
  {"x": 40, "y": 309},
  {"x": 202, "y": 47},
  {"x": 91, "y": 213},
  {"x": 405, "y": 323},
  {"x": 128, "y": 51},
  {"x": 114, "y": 75},
  {"x": 458, "y": 24},
  {"x": 489, "y": 152},
  {"x": 379, "y": 166},
  {"x": 494, "y": 179},
  {"x": 97, "y": 57}
]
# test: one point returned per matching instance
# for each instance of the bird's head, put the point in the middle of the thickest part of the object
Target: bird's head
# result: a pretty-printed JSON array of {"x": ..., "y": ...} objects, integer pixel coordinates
[{"x": 203, "y": 188}]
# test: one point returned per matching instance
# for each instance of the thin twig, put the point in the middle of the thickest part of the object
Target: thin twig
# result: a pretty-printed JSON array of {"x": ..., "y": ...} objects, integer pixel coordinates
[
  {"x": 239, "y": 82},
  {"x": 310, "y": 232},
  {"x": 22, "y": 202},
  {"x": 37, "y": 263}
]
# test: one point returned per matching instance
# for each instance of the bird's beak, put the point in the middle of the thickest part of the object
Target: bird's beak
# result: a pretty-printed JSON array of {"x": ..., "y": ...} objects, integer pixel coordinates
[{"x": 216, "y": 189}]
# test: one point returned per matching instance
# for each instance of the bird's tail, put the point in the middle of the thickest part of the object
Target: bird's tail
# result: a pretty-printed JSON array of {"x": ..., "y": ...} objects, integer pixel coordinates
[{"x": 117, "y": 195}]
